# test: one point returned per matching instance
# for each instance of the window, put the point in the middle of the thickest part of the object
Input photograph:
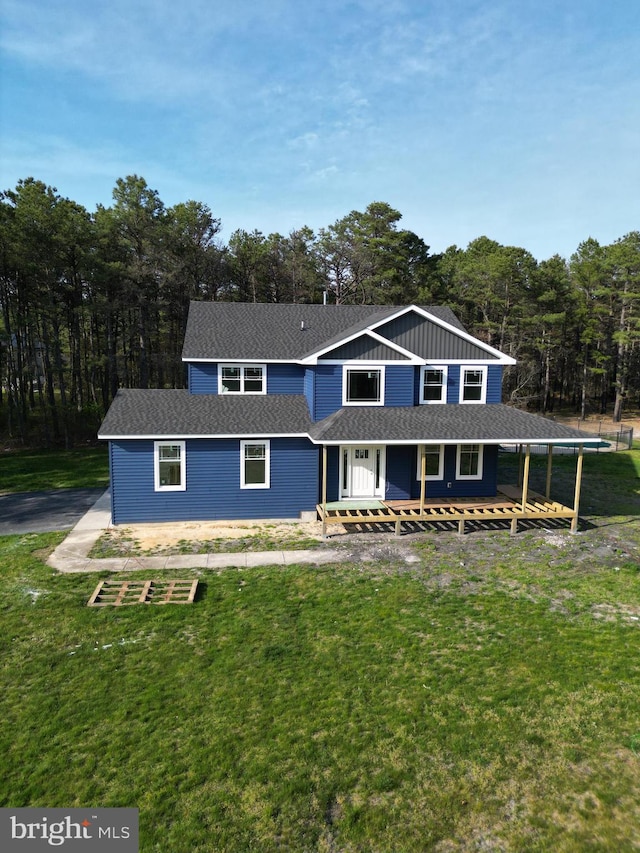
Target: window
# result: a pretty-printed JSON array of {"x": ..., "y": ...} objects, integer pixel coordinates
[
  {"x": 254, "y": 465},
  {"x": 242, "y": 379},
  {"x": 433, "y": 385},
  {"x": 363, "y": 387},
  {"x": 434, "y": 461},
  {"x": 473, "y": 384},
  {"x": 170, "y": 466},
  {"x": 469, "y": 462}
]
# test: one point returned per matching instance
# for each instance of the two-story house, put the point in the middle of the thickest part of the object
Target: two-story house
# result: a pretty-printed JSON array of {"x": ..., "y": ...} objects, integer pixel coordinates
[{"x": 292, "y": 407}]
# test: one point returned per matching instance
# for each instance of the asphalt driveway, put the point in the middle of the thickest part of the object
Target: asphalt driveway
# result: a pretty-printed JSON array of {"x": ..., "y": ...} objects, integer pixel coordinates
[{"x": 43, "y": 512}]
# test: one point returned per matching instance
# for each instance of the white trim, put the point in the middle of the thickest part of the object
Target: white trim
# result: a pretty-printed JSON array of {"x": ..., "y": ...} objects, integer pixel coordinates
[
  {"x": 480, "y": 447},
  {"x": 567, "y": 440},
  {"x": 241, "y": 366},
  {"x": 157, "y": 486},
  {"x": 478, "y": 368},
  {"x": 443, "y": 395},
  {"x": 267, "y": 464},
  {"x": 362, "y": 367},
  {"x": 440, "y": 474}
]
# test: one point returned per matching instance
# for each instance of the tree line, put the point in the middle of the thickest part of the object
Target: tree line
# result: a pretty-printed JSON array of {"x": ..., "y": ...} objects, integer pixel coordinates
[{"x": 94, "y": 301}]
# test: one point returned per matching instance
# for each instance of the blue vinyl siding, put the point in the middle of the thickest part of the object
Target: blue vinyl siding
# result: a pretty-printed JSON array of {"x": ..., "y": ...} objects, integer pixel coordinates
[
  {"x": 285, "y": 379},
  {"x": 328, "y": 390},
  {"x": 203, "y": 378},
  {"x": 494, "y": 383},
  {"x": 213, "y": 482},
  {"x": 486, "y": 487},
  {"x": 399, "y": 471},
  {"x": 402, "y": 467},
  {"x": 310, "y": 390},
  {"x": 281, "y": 378},
  {"x": 453, "y": 384},
  {"x": 398, "y": 385}
]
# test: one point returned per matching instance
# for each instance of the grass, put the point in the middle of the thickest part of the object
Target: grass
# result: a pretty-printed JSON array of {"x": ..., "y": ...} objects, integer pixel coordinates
[
  {"x": 483, "y": 697},
  {"x": 35, "y": 470}
]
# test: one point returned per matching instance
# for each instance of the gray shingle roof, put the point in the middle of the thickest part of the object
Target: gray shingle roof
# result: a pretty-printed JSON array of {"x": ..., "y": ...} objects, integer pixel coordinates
[
  {"x": 160, "y": 413},
  {"x": 179, "y": 414},
  {"x": 266, "y": 331},
  {"x": 491, "y": 424}
]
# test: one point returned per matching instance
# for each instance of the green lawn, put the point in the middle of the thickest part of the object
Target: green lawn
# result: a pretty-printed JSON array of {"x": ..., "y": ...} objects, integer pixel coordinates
[
  {"x": 33, "y": 470},
  {"x": 483, "y": 697}
]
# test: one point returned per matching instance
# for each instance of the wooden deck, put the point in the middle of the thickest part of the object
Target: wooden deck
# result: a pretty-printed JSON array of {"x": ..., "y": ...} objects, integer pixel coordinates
[{"x": 505, "y": 507}]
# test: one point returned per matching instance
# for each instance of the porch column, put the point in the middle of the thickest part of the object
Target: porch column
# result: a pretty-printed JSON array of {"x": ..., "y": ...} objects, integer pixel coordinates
[
  {"x": 576, "y": 498},
  {"x": 423, "y": 478},
  {"x": 324, "y": 490},
  {"x": 549, "y": 466},
  {"x": 525, "y": 487},
  {"x": 520, "y": 461}
]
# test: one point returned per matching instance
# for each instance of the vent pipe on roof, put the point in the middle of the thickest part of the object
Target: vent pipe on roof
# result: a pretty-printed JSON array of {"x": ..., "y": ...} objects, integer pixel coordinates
[{"x": 302, "y": 327}]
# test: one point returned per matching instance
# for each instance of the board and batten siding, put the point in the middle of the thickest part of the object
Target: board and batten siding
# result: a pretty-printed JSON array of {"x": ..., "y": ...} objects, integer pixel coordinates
[{"x": 213, "y": 482}]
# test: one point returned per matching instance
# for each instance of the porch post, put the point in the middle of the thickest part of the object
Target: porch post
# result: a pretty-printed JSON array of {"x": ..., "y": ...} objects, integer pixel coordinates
[
  {"x": 520, "y": 461},
  {"x": 324, "y": 490},
  {"x": 549, "y": 465},
  {"x": 576, "y": 499},
  {"x": 423, "y": 477},
  {"x": 525, "y": 487}
]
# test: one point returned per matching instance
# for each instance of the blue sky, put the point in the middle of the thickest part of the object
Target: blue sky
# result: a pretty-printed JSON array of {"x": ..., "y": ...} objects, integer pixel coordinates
[{"x": 517, "y": 119}]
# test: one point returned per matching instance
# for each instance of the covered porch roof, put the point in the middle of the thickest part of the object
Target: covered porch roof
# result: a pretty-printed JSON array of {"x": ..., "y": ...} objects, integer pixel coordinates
[{"x": 493, "y": 423}]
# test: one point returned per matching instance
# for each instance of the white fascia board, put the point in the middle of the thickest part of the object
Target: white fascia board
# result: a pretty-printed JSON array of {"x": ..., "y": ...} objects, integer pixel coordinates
[
  {"x": 237, "y": 360},
  {"x": 183, "y": 436},
  {"x": 566, "y": 442},
  {"x": 411, "y": 358},
  {"x": 498, "y": 356}
]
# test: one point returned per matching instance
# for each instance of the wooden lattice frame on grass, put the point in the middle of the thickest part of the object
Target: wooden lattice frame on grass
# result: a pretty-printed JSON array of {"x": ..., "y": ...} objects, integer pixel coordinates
[{"x": 119, "y": 593}]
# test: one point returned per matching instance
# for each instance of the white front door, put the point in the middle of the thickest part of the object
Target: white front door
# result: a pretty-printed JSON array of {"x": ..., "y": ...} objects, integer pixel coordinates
[{"x": 362, "y": 471}]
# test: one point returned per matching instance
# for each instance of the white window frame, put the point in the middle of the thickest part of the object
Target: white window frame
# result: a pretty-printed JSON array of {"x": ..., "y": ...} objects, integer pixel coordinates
[
  {"x": 362, "y": 368},
  {"x": 443, "y": 388},
  {"x": 477, "y": 476},
  {"x": 432, "y": 448},
  {"x": 242, "y": 368},
  {"x": 158, "y": 487},
  {"x": 478, "y": 368},
  {"x": 267, "y": 464}
]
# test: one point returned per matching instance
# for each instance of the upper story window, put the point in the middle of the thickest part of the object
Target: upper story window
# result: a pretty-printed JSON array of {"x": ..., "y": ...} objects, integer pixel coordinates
[
  {"x": 433, "y": 384},
  {"x": 242, "y": 379},
  {"x": 473, "y": 384},
  {"x": 363, "y": 386},
  {"x": 170, "y": 471}
]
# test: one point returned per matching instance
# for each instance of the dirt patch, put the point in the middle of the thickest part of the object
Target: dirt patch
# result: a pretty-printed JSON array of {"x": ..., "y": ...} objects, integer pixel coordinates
[{"x": 212, "y": 535}]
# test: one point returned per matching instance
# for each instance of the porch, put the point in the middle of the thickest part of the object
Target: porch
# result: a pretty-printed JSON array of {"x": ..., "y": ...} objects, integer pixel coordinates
[
  {"x": 507, "y": 506},
  {"x": 512, "y": 503}
]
